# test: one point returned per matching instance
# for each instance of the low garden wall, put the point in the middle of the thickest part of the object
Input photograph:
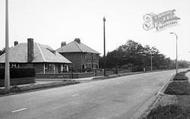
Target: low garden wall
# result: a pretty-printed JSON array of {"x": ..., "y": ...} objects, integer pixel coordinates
[
  {"x": 66, "y": 75},
  {"x": 71, "y": 75}
]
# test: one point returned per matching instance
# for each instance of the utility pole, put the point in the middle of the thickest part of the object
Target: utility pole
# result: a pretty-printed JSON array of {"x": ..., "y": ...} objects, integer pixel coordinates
[
  {"x": 104, "y": 20},
  {"x": 7, "y": 70},
  {"x": 151, "y": 62},
  {"x": 176, "y": 51}
]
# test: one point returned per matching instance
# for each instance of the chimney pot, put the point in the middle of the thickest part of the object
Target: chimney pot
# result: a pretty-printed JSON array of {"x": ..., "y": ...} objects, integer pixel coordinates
[
  {"x": 63, "y": 44},
  {"x": 30, "y": 45},
  {"x": 15, "y": 43},
  {"x": 77, "y": 40}
]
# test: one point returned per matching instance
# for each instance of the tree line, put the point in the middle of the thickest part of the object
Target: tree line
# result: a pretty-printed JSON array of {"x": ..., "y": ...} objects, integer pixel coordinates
[{"x": 135, "y": 57}]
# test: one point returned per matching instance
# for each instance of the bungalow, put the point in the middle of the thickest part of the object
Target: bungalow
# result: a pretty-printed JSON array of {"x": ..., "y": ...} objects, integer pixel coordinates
[
  {"x": 82, "y": 57},
  {"x": 42, "y": 58}
]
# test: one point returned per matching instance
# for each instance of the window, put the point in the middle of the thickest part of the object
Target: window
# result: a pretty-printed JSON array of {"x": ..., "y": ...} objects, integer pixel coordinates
[
  {"x": 64, "y": 68},
  {"x": 49, "y": 67},
  {"x": 14, "y": 65},
  {"x": 1, "y": 66}
]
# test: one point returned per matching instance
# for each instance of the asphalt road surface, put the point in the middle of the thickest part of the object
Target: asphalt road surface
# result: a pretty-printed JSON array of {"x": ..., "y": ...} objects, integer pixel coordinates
[{"x": 117, "y": 98}]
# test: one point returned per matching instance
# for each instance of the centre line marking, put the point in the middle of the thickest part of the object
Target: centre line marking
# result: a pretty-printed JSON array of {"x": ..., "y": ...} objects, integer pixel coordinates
[
  {"x": 75, "y": 95},
  {"x": 19, "y": 110}
]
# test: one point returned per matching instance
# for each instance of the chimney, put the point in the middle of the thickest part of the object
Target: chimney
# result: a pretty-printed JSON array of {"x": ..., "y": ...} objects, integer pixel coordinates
[
  {"x": 63, "y": 44},
  {"x": 15, "y": 43},
  {"x": 30, "y": 45},
  {"x": 77, "y": 40}
]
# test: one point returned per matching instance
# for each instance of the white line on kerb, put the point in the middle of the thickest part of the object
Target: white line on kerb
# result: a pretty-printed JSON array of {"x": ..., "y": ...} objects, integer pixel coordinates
[{"x": 18, "y": 110}]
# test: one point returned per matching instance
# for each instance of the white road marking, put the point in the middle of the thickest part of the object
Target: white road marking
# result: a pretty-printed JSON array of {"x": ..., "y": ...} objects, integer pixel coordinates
[
  {"x": 75, "y": 95},
  {"x": 19, "y": 110}
]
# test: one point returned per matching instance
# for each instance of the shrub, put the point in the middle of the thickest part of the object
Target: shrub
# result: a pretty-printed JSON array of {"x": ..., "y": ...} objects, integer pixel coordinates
[
  {"x": 178, "y": 88},
  {"x": 168, "y": 112},
  {"x": 180, "y": 76}
]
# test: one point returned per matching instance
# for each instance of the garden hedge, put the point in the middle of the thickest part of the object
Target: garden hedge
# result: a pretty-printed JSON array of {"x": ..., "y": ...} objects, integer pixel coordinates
[{"x": 18, "y": 76}]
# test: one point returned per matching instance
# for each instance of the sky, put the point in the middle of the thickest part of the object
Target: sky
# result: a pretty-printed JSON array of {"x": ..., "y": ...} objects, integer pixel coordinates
[{"x": 51, "y": 22}]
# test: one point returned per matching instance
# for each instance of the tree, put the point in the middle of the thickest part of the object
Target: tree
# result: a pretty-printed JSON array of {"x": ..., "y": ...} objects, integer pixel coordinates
[
  {"x": 135, "y": 57},
  {"x": 183, "y": 64}
]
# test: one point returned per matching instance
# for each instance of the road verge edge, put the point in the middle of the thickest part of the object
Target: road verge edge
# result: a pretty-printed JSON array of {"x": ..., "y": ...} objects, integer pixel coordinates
[{"x": 145, "y": 109}]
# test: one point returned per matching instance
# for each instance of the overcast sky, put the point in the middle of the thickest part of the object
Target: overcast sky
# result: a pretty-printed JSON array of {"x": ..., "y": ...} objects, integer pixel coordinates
[{"x": 52, "y": 21}]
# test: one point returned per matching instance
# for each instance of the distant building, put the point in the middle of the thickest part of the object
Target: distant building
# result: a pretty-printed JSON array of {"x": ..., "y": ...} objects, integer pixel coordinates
[
  {"x": 83, "y": 58},
  {"x": 43, "y": 58}
]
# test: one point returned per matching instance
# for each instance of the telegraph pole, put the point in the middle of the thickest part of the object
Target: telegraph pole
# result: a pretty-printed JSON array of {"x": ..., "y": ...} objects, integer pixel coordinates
[
  {"x": 7, "y": 70},
  {"x": 151, "y": 62},
  {"x": 104, "y": 20}
]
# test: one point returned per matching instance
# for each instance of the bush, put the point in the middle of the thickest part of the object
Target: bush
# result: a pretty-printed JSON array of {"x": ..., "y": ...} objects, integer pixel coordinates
[
  {"x": 180, "y": 76},
  {"x": 19, "y": 76},
  {"x": 168, "y": 112},
  {"x": 178, "y": 88},
  {"x": 18, "y": 72}
]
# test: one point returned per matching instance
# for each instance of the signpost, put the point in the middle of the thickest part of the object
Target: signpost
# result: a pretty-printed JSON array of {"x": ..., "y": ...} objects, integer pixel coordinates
[{"x": 159, "y": 22}]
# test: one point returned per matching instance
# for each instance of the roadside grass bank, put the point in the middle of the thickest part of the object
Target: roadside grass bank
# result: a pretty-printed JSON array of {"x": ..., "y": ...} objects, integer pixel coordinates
[
  {"x": 35, "y": 86},
  {"x": 174, "y": 103}
]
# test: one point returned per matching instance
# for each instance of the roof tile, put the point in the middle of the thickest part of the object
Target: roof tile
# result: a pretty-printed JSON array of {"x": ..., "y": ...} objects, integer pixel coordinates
[
  {"x": 76, "y": 47},
  {"x": 42, "y": 53}
]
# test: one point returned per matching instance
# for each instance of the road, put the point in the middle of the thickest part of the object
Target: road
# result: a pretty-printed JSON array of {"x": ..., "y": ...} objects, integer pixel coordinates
[{"x": 117, "y": 98}]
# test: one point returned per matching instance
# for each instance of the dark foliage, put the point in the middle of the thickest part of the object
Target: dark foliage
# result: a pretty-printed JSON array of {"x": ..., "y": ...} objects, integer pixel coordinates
[
  {"x": 135, "y": 57},
  {"x": 178, "y": 88},
  {"x": 180, "y": 76},
  {"x": 168, "y": 112}
]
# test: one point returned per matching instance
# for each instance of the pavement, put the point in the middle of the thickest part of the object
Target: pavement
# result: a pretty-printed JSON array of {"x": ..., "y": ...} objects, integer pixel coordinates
[{"x": 116, "y": 98}]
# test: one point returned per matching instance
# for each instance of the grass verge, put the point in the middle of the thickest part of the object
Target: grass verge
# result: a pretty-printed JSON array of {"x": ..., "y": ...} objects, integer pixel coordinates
[
  {"x": 31, "y": 87},
  {"x": 178, "y": 88},
  {"x": 171, "y": 111},
  {"x": 180, "y": 76},
  {"x": 174, "y": 104}
]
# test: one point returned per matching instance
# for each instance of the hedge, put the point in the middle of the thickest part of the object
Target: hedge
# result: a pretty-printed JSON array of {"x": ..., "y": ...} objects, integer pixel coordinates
[
  {"x": 18, "y": 76},
  {"x": 171, "y": 111},
  {"x": 180, "y": 76}
]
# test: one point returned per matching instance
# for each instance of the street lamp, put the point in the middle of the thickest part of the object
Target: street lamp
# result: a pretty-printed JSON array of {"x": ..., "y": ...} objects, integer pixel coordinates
[
  {"x": 7, "y": 70},
  {"x": 176, "y": 51}
]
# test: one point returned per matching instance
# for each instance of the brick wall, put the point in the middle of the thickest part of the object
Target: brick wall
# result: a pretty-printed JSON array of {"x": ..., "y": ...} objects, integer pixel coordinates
[
  {"x": 76, "y": 59},
  {"x": 39, "y": 68},
  {"x": 91, "y": 60},
  {"x": 82, "y": 60}
]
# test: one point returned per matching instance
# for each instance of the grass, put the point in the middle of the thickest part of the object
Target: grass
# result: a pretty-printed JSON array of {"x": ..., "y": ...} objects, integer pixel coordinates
[
  {"x": 180, "y": 76},
  {"x": 20, "y": 89},
  {"x": 178, "y": 105},
  {"x": 168, "y": 112},
  {"x": 178, "y": 88}
]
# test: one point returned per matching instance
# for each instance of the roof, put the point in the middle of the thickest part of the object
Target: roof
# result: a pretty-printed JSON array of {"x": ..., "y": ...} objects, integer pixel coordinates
[
  {"x": 42, "y": 53},
  {"x": 74, "y": 46}
]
